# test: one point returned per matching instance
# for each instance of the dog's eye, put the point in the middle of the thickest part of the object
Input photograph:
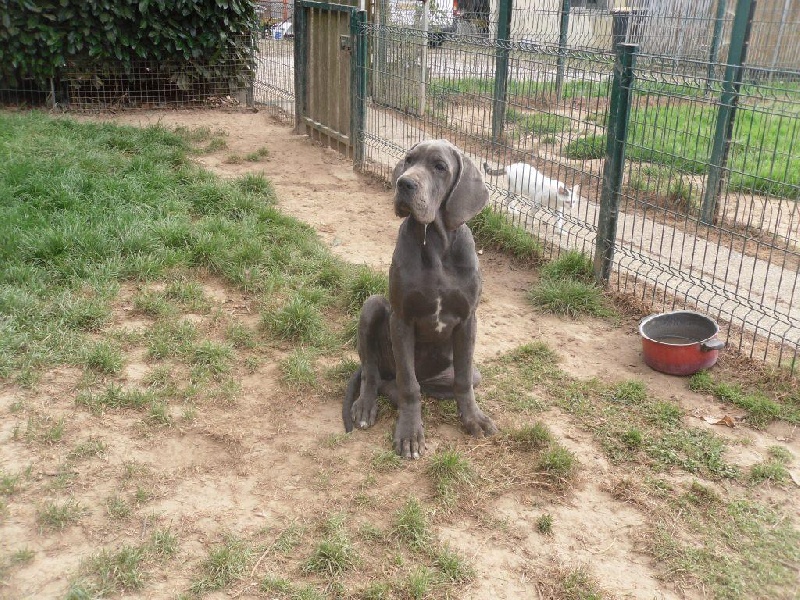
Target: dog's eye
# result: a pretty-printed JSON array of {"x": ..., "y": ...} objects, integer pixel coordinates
[{"x": 440, "y": 166}]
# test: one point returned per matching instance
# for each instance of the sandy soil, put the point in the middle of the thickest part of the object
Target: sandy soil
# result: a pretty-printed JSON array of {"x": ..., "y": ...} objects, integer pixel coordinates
[{"x": 252, "y": 465}]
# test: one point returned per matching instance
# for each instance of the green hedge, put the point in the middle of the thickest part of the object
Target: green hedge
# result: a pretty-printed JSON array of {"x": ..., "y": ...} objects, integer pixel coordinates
[{"x": 195, "y": 38}]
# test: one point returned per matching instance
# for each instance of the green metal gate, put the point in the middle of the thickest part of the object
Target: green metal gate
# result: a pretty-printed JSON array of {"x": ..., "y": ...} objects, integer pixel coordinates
[{"x": 330, "y": 51}]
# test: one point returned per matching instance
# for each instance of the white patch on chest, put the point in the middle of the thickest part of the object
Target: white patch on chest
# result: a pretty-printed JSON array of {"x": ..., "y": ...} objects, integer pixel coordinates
[{"x": 439, "y": 325}]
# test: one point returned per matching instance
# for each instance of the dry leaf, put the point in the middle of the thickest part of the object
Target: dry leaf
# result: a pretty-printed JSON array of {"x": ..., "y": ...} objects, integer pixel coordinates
[{"x": 727, "y": 420}]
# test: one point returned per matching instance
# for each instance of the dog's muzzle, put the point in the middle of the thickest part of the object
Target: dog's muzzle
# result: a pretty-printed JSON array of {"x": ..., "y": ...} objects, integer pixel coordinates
[{"x": 410, "y": 199}]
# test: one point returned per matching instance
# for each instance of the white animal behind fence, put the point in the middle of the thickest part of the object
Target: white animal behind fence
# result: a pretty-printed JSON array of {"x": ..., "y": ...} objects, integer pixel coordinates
[{"x": 524, "y": 180}]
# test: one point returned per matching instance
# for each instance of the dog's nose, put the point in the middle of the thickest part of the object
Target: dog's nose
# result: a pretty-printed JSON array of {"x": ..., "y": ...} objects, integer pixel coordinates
[{"x": 406, "y": 185}]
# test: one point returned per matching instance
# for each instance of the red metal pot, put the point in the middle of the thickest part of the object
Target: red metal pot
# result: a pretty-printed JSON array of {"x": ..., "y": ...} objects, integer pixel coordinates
[{"x": 679, "y": 343}]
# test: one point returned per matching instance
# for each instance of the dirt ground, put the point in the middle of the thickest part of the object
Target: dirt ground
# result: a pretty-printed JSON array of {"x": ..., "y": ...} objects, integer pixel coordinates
[{"x": 254, "y": 464}]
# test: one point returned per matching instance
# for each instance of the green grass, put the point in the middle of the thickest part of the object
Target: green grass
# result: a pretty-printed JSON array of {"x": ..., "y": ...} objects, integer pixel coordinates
[
  {"x": 586, "y": 148},
  {"x": 411, "y": 525},
  {"x": 761, "y": 409},
  {"x": 335, "y": 553},
  {"x": 449, "y": 471},
  {"x": 225, "y": 564},
  {"x": 55, "y": 516},
  {"x": 572, "y": 264},
  {"x": 494, "y": 230},
  {"x": 61, "y": 265},
  {"x": 569, "y": 298},
  {"x": 537, "y": 124},
  {"x": 530, "y": 437}
]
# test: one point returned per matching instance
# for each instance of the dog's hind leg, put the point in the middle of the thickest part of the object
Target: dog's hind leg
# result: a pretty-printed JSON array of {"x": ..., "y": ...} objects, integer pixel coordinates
[{"x": 377, "y": 362}]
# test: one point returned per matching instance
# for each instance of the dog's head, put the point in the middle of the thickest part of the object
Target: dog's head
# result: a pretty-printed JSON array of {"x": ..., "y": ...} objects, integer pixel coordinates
[{"x": 436, "y": 176}]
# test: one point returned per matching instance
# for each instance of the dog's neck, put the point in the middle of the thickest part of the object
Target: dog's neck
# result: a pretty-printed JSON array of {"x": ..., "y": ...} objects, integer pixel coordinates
[{"x": 429, "y": 234}]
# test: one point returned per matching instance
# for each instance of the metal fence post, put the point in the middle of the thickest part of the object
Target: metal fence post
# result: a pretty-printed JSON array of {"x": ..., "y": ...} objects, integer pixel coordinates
[
  {"x": 501, "y": 69},
  {"x": 358, "y": 84},
  {"x": 562, "y": 47},
  {"x": 300, "y": 70},
  {"x": 731, "y": 83},
  {"x": 616, "y": 137}
]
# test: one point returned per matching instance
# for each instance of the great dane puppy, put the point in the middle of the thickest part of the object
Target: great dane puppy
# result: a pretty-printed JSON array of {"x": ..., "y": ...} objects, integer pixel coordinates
[{"x": 421, "y": 338}]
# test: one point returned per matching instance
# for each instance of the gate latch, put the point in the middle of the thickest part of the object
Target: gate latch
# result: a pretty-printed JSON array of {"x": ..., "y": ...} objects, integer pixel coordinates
[{"x": 344, "y": 43}]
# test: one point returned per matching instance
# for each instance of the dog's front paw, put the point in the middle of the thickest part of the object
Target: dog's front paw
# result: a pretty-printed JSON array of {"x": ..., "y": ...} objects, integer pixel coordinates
[
  {"x": 409, "y": 436},
  {"x": 478, "y": 424},
  {"x": 364, "y": 412}
]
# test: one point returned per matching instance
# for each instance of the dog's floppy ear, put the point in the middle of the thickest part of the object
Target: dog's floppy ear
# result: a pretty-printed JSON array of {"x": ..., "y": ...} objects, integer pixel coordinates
[{"x": 469, "y": 193}]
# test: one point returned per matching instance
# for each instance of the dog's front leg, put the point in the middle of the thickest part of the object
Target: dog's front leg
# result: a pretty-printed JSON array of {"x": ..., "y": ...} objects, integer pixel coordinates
[
  {"x": 472, "y": 417},
  {"x": 409, "y": 435}
]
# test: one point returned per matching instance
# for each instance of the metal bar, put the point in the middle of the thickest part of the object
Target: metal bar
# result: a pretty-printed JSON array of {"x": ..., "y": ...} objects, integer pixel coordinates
[
  {"x": 562, "y": 47},
  {"x": 501, "y": 69},
  {"x": 300, "y": 65},
  {"x": 616, "y": 137},
  {"x": 727, "y": 109},
  {"x": 358, "y": 85}
]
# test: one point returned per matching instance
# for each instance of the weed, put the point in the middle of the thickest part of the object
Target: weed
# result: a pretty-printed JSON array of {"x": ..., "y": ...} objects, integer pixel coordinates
[
  {"x": 299, "y": 368},
  {"x": 411, "y": 525},
  {"x": 257, "y": 155},
  {"x": 159, "y": 413},
  {"x": 530, "y": 437},
  {"x": 362, "y": 285},
  {"x": 770, "y": 470},
  {"x": 163, "y": 543},
  {"x": 270, "y": 583},
  {"x": 544, "y": 524},
  {"x": 629, "y": 392},
  {"x": 332, "y": 556},
  {"x": 569, "y": 298},
  {"x": 118, "y": 508},
  {"x": 188, "y": 294},
  {"x": 452, "y": 566},
  {"x": 288, "y": 539},
  {"x": 780, "y": 454},
  {"x": 104, "y": 358},
  {"x": 494, "y": 229},
  {"x": 558, "y": 463},
  {"x": 574, "y": 265},
  {"x": 385, "y": 460},
  {"x": 115, "y": 397},
  {"x": 56, "y": 516},
  {"x": 117, "y": 571},
  {"x": 8, "y": 483},
  {"x": 224, "y": 564},
  {"x": 418, "y": 583},
  {"x": 299, "y": 320},
  {"x": 214, "y": 357},
  {"x": 241, "y": 337},
  {"x": 90, "y": 448},
  {"x": 449, "y": 469}
]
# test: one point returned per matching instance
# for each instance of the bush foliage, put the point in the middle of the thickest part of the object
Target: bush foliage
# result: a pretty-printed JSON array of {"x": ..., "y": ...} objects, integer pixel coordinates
[{"x": 188, "y": 38}]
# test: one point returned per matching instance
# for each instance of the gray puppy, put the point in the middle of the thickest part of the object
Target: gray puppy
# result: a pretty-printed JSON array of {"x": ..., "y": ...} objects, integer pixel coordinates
[{"x": 421, "y": 338}]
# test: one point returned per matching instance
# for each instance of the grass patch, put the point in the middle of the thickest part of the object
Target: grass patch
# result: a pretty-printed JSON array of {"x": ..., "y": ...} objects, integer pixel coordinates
[
  {"x": 760, "y": 408},
  {"x": 411, "y": 525},
  {"x": 225, "y": 564},
  {"x": 573, "y": 265},
  {"x": 569, "y": 298},
  {"x": 56, "y": 516},
  {"x": 530, "y": 437},
  {"x": 590, "y": 147},
  {"x": 449, "y": 470},
  {"x": 334, "y": 554},
  {"x": 494, "y": 230}
]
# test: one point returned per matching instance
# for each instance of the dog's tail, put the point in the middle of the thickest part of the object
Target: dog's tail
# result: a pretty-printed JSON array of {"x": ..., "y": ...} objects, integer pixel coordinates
[
  {"x": 491, "y": 171},
  {"x": 353, "y": 387}
]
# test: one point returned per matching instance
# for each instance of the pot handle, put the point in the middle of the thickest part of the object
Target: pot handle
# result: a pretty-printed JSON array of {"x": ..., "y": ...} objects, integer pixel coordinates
[{"x": 712, "y": 344}]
